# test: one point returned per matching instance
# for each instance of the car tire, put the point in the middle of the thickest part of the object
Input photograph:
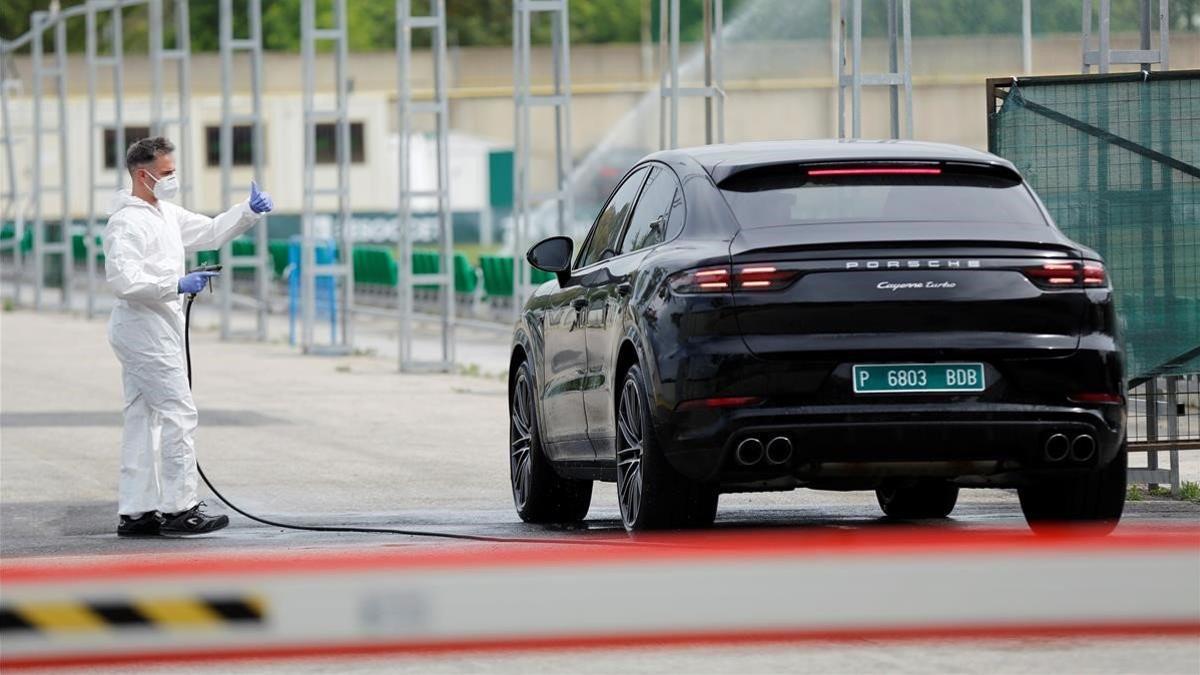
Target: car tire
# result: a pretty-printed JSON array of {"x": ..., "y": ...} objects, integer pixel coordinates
[
  {"x": 1096, "y": 497},
  {"x": 651, "y": 494},
  {"x": 540, "y": 494},
  {"x": 921, "y": 500}
]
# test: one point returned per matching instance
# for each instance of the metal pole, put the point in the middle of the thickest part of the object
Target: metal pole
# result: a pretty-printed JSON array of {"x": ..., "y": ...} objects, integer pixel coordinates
[
  {"x": 856, "y": 73},
  {"x": 664, "y": 73},
  {"x": 674, "y": 48},
  {"x": 1173, "y": 431},
  {"x": 840, "y": 69},
  {"x": 307, "y": 224},
  {"x": 1144, "y": 28},
  {"x": 89, "y": 235},
  {"x": 445, "y": 221},
  {"x": 117, "y": 21},
  {"x": 262, "y": 238},
  {"x": 893, "y": 65},
  {"x": 65, "y": 248},
  {"x": 719, "y": 65},
  {"x": 520, "y": 152},
  {"x": 346, "y": 261},
  {"x": 1164, "y": 34},
  {"x": 1105, "y": 25},
  {"x": 708, "y": 69},
  {"x": 1026, "y": 36},
  {"x": 527, "y": 134},
  {"x": 8, "y": 204},
  {"x": 225, "y": 39},
  {"x": 183, "y": 49},
  {"x": 156, "y": 68},
  {"x": 404, "y": 208},
  {"x": 906, "y": 22},
  {"x": 556, "y": 58},
  {"x": 37, "y": 21},
  {"x": 1085, "y": 34},
  {"x": 562, "y": 89}
]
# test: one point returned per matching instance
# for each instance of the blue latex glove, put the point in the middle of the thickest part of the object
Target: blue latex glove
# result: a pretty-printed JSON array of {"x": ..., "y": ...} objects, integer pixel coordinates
[
  {"x": 195, "y": 282},
  {"x": 260, "y": 202}
]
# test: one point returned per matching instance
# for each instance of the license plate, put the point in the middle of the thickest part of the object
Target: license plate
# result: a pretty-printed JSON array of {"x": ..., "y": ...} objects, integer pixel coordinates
[{"x": 888, "y": 378}]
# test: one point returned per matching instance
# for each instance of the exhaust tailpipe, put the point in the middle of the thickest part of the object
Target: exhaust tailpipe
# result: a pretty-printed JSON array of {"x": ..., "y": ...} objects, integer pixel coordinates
[
  {"x": 749, "y": 452},
  {"x": 1083, "y": 448},
  {"x": 779, "y": 450},
  {"x": 1057, "y": 447}
]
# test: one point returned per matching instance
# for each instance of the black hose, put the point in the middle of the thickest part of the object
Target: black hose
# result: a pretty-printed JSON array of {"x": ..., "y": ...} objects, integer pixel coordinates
[{"x": 187, "y": 350}]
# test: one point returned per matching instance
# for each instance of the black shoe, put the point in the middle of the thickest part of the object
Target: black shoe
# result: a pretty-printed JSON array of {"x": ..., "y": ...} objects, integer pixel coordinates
[
  {"x": 145, "y": 525},
  {"x": 192, "y": 521}
]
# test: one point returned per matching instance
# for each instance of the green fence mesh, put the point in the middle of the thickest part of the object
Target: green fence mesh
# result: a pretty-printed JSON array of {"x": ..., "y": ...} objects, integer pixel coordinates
[{"x": 1116, "y": 158}]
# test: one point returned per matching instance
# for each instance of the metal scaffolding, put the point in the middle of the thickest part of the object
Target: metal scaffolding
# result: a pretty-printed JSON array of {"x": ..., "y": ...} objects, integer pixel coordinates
[
  {"x": 44, "y": 247},
  {"x": 670, "y": 89},
  {"x": 159, "y": 56},
  {"x": 1105, "y": 56},
  {"x": 524, "y": 101},
  {"x": 899, "y": 21},
  {"x": 340, "y": 270},
  {"x": 443, "y": 280},
  {"x": 9, "y": 194},
  {"x": 115, "y": 61},
  {"x": 258, "y": 262}
]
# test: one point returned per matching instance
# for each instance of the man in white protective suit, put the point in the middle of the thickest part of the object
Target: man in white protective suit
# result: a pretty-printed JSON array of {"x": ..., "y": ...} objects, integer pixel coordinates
[{"x": 146, "y": 243}]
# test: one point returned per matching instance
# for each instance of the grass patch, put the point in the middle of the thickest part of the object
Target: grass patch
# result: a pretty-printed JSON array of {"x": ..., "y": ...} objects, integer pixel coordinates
[
  {"x": 1190, "y": 492},
  {"x": 1133, "y": 494},
  {"x": 9, "y": 305}
]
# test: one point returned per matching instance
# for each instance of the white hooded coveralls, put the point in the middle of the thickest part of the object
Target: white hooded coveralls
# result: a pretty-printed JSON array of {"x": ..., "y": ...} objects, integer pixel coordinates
[{"x": 144, "y": 249}]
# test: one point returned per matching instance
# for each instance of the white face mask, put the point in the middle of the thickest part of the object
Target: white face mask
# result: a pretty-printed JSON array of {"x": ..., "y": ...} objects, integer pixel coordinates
[{"x": 165, "y": 188}]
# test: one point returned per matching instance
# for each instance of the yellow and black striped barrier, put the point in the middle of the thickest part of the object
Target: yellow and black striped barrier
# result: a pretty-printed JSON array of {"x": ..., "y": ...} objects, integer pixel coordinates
[
  {"x": 687, "y": 589},
  {"x": 172, "y": 612}
]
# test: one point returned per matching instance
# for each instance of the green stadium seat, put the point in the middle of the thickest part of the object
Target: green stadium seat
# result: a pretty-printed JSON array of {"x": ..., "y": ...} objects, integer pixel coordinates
[{"x": 498, "y": 276}]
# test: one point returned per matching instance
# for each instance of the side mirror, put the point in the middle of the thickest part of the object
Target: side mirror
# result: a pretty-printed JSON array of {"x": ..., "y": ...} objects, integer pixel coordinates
[{"x": 553, "y": 255}]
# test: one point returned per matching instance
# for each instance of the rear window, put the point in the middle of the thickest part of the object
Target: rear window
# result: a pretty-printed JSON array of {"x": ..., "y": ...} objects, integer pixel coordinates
[{"x": 837, "y": 193}]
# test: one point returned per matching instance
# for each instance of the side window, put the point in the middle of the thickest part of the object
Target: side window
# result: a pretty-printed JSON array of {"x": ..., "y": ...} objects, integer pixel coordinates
[
  {"x": 648, "y": 225},
  {"x": 602, "y": 243}
]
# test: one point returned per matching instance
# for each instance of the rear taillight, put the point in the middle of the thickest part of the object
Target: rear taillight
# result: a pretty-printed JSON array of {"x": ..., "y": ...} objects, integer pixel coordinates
[
  {"x": 762, "y": 278},
  {"x": 708, "y": 280},
  {"x": 1067, "y": 275},
  {"x": 726, "y": 279},
  {"x": 877, "y": 171},
  {"x": 1094, "y": 274}
]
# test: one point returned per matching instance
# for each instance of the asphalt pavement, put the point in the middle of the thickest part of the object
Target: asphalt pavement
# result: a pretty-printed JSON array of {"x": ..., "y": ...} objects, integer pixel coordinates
[{"x": 347, "y": 440}]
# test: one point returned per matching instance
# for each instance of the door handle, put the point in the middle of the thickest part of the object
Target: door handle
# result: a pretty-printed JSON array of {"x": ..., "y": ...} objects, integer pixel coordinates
[
  {"x": 579, "y": 304},
  {"x": 624, "y": 289}
]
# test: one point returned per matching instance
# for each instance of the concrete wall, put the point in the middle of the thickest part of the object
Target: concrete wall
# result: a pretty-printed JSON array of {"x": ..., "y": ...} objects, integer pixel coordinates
[{"x": 775, "y": 91}]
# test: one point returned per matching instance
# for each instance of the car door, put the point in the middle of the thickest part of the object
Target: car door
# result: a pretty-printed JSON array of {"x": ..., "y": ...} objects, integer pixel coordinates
[
  {"x": 564, "y": 367},
  {"x": 610, "y": 291}
]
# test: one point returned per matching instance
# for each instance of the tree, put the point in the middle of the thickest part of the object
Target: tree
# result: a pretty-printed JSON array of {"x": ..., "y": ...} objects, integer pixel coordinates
[{"x": 372, "y": 23}]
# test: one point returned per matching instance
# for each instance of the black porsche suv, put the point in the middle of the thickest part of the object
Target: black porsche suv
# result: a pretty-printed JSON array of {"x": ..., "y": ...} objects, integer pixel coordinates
[{"x": 892, "y": 316}]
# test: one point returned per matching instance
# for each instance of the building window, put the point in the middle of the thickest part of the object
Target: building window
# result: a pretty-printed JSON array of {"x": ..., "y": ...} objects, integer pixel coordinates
[
  {"x": 113, "y": 156},
  {"x": 243, "y": 145},
  {"x": 327, "y": 143}
]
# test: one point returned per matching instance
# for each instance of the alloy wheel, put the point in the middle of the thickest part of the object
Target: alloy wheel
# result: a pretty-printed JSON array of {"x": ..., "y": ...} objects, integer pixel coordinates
[
  {"x": 520, "y": 439},
  {"x": 629, "y": 452}
]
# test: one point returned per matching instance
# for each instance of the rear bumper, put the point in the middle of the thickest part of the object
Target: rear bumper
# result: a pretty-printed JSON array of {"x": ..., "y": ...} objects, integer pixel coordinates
[{"x": 830, "y": 442}]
